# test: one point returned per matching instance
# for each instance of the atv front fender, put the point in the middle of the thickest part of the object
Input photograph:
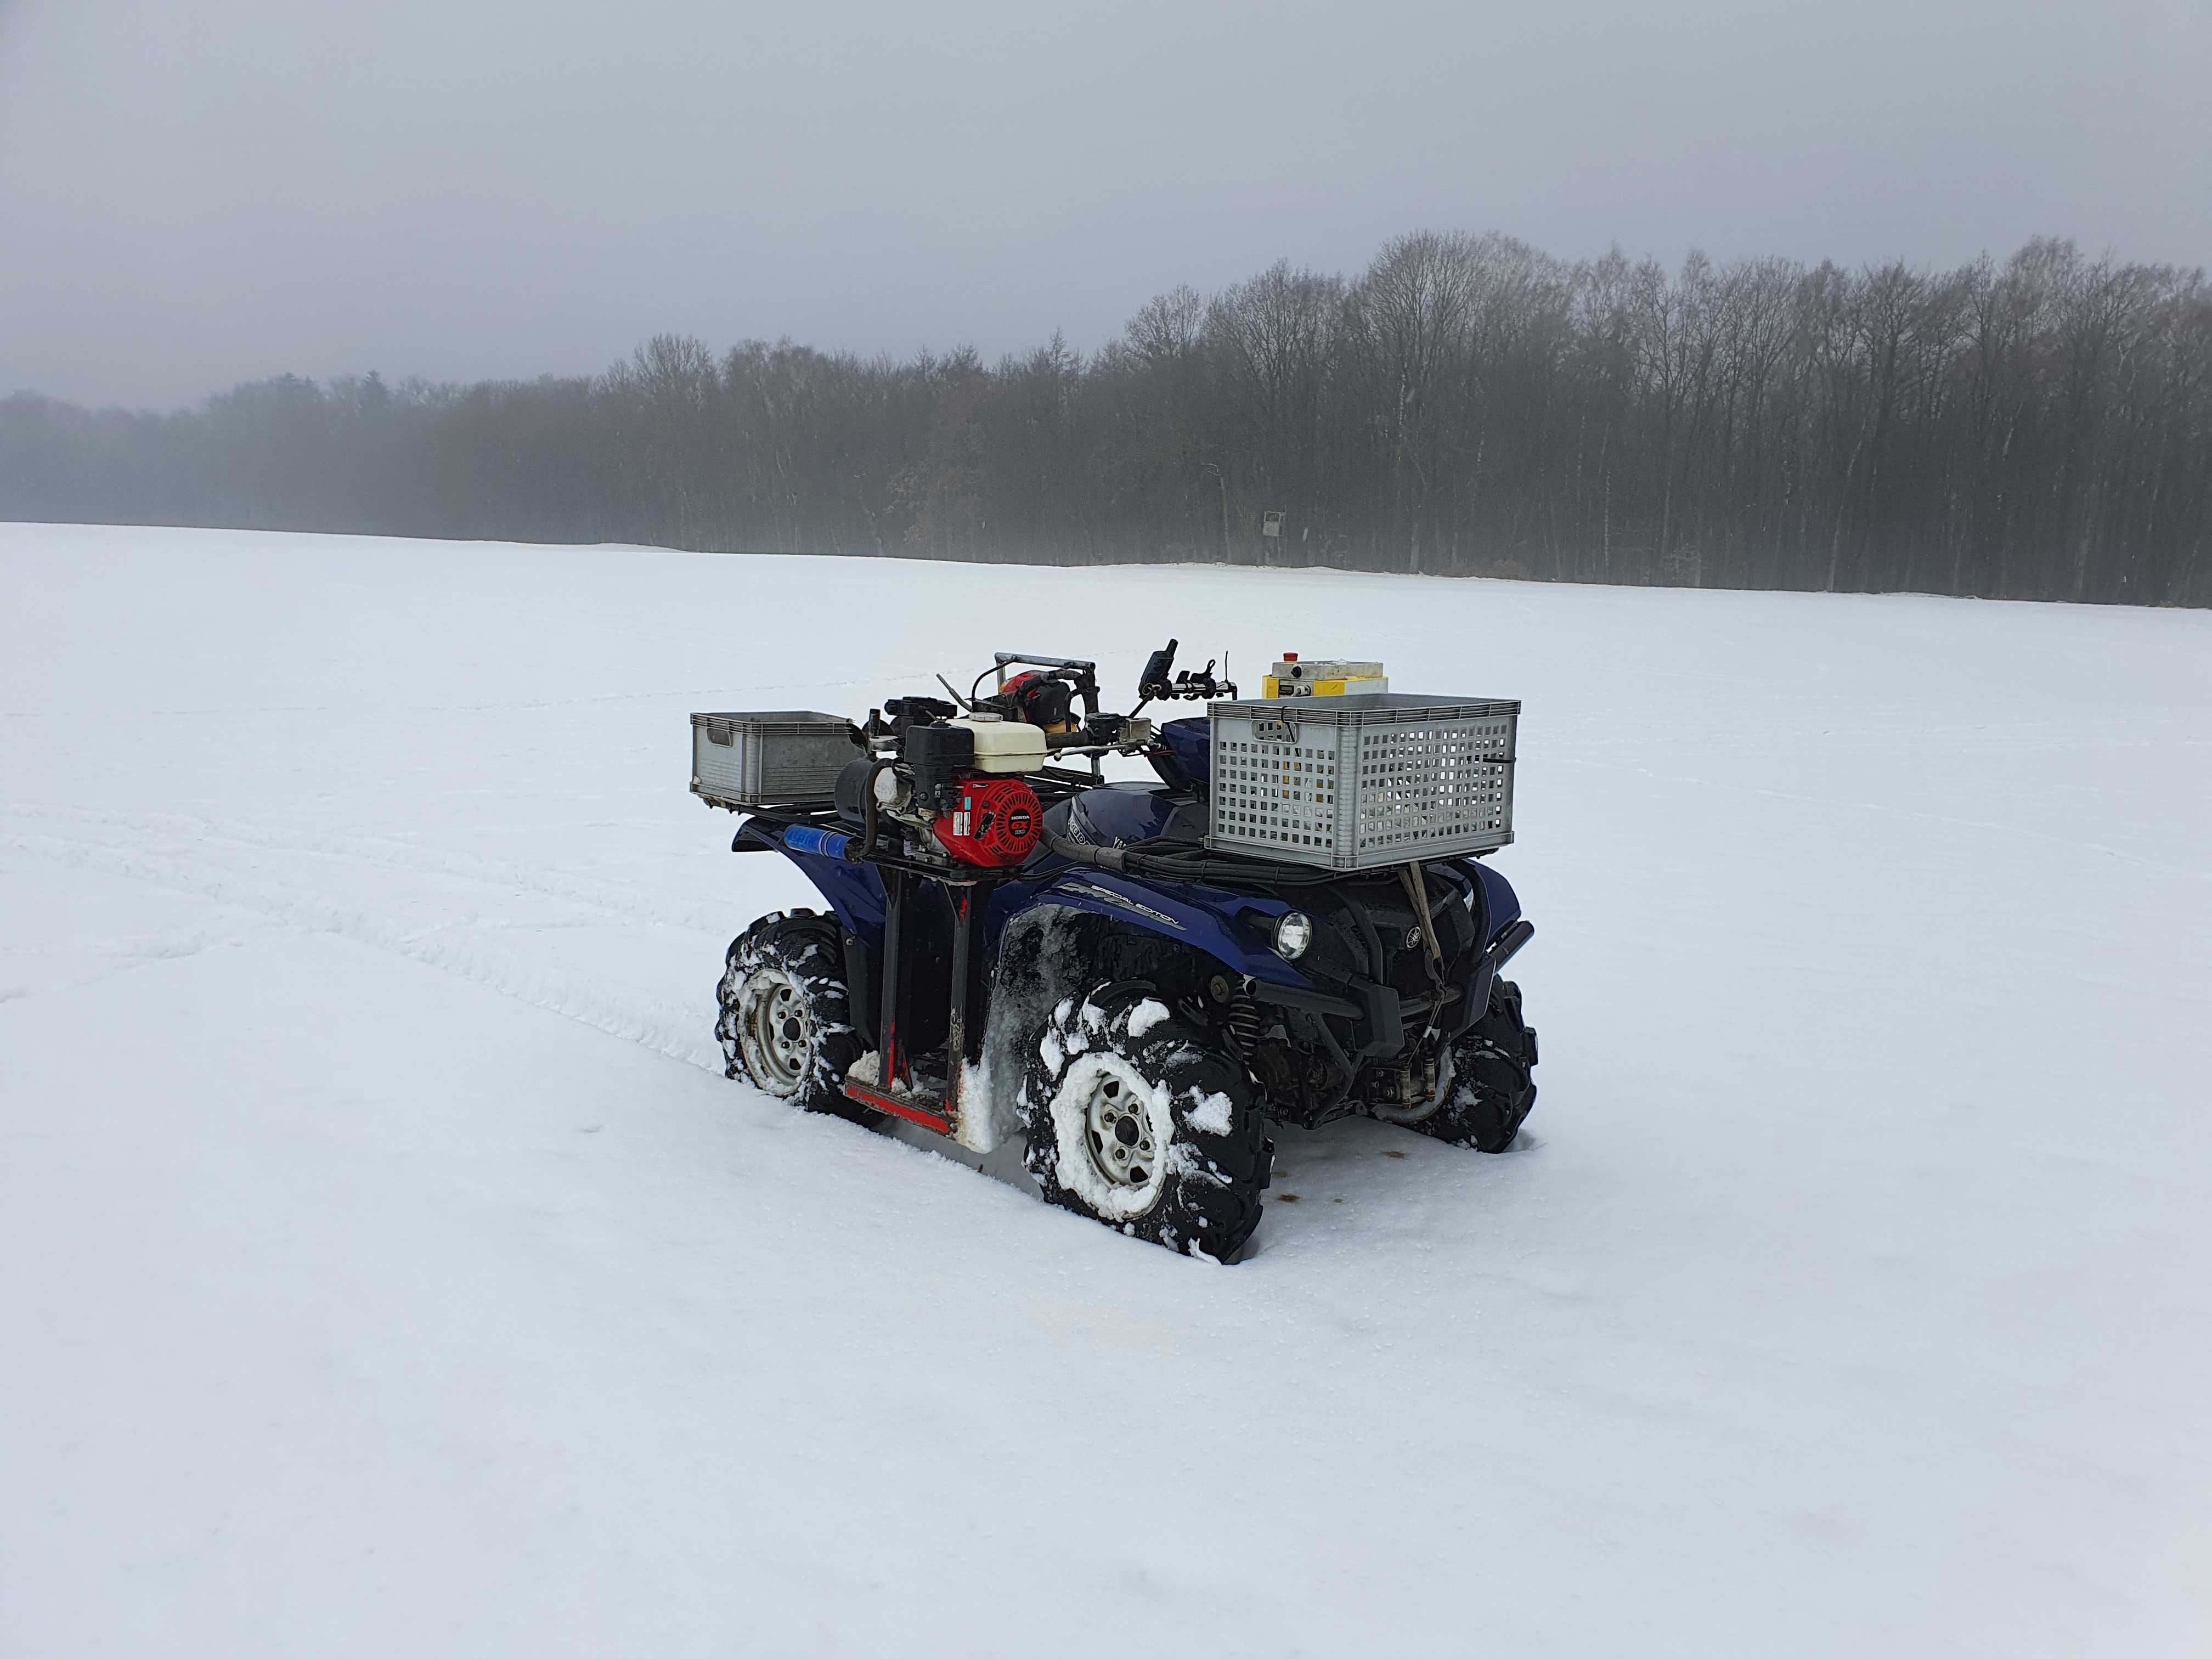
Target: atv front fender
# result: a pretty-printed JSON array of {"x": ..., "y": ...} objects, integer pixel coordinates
[
  {"x": 1225, "y": 925},
  {"x": 1036, "y": 966}
]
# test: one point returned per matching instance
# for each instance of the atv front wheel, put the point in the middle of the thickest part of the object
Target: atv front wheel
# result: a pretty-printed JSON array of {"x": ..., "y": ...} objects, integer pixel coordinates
[
  {"x": 1489, "y": 1091},
  {"x": 785, "y": 1025},
  {"x": 1136, "y": 1121}
]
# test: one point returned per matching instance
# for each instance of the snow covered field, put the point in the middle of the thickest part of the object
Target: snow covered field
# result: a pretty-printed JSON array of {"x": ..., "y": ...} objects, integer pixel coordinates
[{"x": 386, "y": 1268}]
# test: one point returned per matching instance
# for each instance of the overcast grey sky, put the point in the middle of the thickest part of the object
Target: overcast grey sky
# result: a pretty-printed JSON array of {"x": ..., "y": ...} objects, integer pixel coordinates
[{"x": 194, "y": 192}]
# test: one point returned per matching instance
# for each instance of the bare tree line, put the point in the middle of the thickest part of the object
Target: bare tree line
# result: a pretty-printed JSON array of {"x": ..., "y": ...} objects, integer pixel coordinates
[{"x": 2040, "y": 428}]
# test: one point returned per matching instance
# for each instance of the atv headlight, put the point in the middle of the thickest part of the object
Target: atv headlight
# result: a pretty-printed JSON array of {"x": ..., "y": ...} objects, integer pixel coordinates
[{"x": 1293, "y": 933}]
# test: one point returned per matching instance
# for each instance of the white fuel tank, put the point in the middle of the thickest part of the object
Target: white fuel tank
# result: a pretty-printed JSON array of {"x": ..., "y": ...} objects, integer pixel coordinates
[{"x": 1004, "y": 745}]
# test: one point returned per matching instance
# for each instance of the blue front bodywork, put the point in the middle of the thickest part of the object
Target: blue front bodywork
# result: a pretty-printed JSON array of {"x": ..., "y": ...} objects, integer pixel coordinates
[
  {"x": 1229, "y": 927},
  {"x": 1206, "y": 918},
  {"x": 1503, "y": 904},
  {"x": 1191, "y": 743},
  {"x": 1123, "y": 814}
]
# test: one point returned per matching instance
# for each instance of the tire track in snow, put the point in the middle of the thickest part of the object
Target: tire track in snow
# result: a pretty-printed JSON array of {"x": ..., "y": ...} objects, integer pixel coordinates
[
  {"x": 386, "y": 851},
  {"x": 118, "y": 962},
  {"x": 538, "y": 986}
]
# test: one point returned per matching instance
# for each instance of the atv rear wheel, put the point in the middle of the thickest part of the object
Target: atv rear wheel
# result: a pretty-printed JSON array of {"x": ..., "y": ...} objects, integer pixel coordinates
[
  {"x": 1135, "y": 1121},
  {"x": 1489, "y": 1090},
  {"x": 786, "y": 1024}
]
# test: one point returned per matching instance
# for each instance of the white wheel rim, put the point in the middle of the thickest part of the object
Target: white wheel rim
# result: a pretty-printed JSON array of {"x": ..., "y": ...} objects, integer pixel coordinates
[
  {"x": 775, "y": 1029},
  {"x": 1119, "y": 1132},
  {"x": 1114, "y": 1136}
]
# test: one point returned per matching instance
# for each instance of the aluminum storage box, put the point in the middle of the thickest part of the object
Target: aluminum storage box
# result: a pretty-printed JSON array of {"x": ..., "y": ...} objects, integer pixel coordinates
[
  {"x": 768, "y": 760},
  {"x": 1357, "y": 783}
]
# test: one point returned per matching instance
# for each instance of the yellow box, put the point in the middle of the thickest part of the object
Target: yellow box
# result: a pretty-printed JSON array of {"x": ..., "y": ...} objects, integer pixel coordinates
[{"x": 1272, "y": 687}]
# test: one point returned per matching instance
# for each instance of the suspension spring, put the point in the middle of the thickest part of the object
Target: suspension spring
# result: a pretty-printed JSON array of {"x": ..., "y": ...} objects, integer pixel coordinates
[{"x": 1245, "y": 1025}]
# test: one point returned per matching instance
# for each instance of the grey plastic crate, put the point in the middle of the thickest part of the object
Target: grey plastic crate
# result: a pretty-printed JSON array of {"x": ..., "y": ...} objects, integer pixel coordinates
[
  {"x": 768, "y": 759},
  {"x": 1354, "y": 783}
]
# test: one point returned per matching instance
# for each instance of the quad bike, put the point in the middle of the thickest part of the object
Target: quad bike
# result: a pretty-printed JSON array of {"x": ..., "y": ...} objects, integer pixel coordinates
[{"x": 1142, "y": 978}]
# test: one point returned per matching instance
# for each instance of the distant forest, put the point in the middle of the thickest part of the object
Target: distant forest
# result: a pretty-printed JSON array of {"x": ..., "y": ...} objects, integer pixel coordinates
[{"x": 2039, "y": 428}]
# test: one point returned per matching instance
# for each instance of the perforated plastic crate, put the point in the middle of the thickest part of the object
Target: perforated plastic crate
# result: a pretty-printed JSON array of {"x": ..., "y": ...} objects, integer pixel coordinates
[
  {"x": 776, "y": 759},
  {"x": 1355, "y": 783}
]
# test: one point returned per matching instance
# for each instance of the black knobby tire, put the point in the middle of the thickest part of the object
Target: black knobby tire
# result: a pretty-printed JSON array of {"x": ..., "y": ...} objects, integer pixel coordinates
[
  {"x": 1196, "y": 1137},
  {"x": 1489, "y": 1091},
  {"x": 784, "y": 1023}
]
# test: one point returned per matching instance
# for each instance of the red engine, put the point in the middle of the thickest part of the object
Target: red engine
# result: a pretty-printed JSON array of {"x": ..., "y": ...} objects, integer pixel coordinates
[{"x": 995, "y": 823}]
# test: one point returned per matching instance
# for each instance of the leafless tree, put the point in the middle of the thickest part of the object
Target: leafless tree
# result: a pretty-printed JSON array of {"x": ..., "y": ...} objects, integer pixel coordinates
[{"x": 2036, "y": 427}]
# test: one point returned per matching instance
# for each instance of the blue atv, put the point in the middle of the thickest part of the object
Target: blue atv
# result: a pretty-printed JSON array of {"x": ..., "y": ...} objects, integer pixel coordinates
[{"x": 1016, "y": 946}]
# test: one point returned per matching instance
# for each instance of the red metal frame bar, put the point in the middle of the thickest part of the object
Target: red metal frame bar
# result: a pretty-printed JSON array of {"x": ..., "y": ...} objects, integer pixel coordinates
[{"x": 897, "y": 1107}]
